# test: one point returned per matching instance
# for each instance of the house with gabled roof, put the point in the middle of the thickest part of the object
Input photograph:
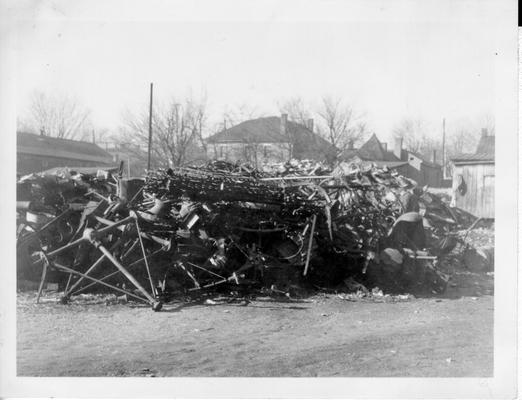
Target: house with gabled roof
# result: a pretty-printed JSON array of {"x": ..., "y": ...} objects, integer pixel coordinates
[
  {"x": 267, "y": 140},
  {"x": 408, "y": 163},
  {"x": 474, "y": 178},
  {"x": 37, "y": 153}
]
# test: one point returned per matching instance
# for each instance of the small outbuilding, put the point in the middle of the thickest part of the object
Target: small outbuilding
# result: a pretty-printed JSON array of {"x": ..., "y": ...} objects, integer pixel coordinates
[{"x": 474, "y": 179}]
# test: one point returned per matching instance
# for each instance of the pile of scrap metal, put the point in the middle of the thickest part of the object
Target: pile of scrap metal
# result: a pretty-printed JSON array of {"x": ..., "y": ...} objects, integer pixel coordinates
[{"x": 293, "y": 225}]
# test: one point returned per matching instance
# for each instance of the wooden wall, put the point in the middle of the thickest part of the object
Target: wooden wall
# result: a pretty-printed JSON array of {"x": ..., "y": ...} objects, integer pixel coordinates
[{"x": 479, "y": 198}]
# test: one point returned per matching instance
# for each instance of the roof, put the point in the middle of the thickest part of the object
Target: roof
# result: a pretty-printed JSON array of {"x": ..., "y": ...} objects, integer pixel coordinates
[
  {"x": 306, "y": 143},
  {"x": 373, "y": 151},
  {"x": 29, "y": 143},
  {"x": 485, "y": 153},
  {"x": 486, "y": 146},
  {"x": 80, "y": 170},
  {"x": 424, "y": 161}
]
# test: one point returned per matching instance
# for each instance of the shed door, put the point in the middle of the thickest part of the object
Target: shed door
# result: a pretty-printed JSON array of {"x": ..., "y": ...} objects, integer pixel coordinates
[{"x": 488, "y": 196}]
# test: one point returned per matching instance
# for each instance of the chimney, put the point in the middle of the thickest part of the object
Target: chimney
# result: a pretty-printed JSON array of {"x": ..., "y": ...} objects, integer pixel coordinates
[
  {"x": 384, "y": 147},
  {"x": 311, "y": 124},
  {"x": 484, "y": 132},
  {"x": 283, "y": 127},
  {"x": 397, "y": 149},
  {"x": 42, "y": 131},
  {"x": 350, "y": 144},
  {"x": 93, "y": 137},
  {"x": 434, "y": 160}
]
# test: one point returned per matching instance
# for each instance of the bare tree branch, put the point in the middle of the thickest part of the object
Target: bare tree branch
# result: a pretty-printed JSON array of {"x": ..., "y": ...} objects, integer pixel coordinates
[
  {"x": 177, "y": 132},
  {"x": 57, "y": 116},
  {"x": 339, "y": 124}
]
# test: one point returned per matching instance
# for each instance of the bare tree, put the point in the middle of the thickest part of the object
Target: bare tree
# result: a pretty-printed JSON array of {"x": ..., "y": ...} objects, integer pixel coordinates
[
  {"x": 177, "y": 132},
  {"x": 296, "y": 110},
  {"x": 414, "y": 133},
  {"x": 339, "y": 123},
  {"x": 57, "y": 116}
]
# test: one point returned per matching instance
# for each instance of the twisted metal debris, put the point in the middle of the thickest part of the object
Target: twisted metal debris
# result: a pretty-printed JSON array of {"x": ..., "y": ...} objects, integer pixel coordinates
[{"x": 228, "y": 225}]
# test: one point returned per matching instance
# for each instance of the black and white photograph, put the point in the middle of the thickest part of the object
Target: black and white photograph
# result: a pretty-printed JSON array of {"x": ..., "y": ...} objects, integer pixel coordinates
[{"x": 258, "y": 190}]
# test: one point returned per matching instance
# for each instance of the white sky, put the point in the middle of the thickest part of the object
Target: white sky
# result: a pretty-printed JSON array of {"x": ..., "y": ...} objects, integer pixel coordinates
[{"x": 400, "y": 63}]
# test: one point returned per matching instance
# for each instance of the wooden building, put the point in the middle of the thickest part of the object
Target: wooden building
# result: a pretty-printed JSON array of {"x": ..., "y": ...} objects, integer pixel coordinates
[
  {"x": 474, "y": 179},
  {"x": 37, "y": 153}
]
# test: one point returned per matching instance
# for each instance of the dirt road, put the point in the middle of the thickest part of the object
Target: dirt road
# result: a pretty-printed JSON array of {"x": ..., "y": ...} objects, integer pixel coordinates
[{"x": 319, "y": 336}]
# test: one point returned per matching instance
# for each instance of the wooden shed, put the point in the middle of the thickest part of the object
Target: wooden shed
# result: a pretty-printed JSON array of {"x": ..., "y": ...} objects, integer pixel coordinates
[{"x": 474, "y": 179}]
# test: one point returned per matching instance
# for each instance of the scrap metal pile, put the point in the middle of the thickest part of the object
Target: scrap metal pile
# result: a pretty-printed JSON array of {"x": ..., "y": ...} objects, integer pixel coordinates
[{"x": 291, "y": 226}]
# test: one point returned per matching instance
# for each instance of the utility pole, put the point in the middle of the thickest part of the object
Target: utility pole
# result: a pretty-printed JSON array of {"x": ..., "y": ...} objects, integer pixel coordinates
[
  {"x": 150, "y": 128},
  {"x": 444, "y": 148}
]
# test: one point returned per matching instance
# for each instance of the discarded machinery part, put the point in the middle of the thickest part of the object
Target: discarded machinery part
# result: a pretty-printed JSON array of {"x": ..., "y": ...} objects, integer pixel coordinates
[
  {"x": 231, "y": 278},
  {"x": 124, "y": 271},
  {"x": 206, "y": 270},
  {"x": 44, "y": 274},
  {"x": 260, "y": 230},
  {"x": 68, "y": 291},
  {"x": 196, "y": 283},
  {"x": 44, "y": 228},
  {"x": 117, "y": 271},
  {"x": 391, "y": 256},
  {"x": 145, "y": 258},
  {"x": 23, "y": 205},
  {"x": 74, "y": 272},
  {"x": 164, "y": 242},
  {"x": 309, "y": 251},
  {"x": 288, "y": 178}
]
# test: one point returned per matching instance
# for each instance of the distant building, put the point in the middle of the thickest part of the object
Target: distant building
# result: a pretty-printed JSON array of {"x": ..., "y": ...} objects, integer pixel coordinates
[
  {"x": 474, "y": 179},
  {"x": 408, "y": 163},
  {"x": 37, "y": 153},
  {"x": 267, "y": 140}
]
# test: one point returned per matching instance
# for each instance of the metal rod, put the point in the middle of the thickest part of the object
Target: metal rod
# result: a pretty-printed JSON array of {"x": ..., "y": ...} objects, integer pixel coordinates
[
  {"x": 206, "y": 270},
  {"x": 145, "y": 258},
  {"x": 163, "y": 242},
  {"x": 80, "y": 279},
  {"x": 66, "y": 247},
  {"x": 42, "y": 281},
  {"x": 117, "y": 271},
  {"x": 113, "y": 226},
  {"x": 310, "y": 245},
  {"x": 72, "y": 271},
  {"x": 196, "y": 283},
  {"x": 124, "y": 272}
]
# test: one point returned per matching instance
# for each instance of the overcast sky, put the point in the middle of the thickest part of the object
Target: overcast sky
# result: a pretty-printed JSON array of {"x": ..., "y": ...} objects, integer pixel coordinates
[{"x": 388, "y": 67}]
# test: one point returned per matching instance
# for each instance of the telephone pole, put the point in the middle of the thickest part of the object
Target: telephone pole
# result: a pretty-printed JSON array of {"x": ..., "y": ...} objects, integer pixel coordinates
[
  {"x": 150, "y": 128},
  {"x": 444, "y": 148}
]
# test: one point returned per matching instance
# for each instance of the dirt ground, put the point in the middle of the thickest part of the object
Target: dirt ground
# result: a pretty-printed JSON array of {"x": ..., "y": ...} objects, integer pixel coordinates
[{"x": 323, "y": 335}]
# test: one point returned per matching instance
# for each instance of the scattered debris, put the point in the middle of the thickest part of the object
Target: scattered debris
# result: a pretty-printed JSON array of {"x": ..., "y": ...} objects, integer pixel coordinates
[{"x": 287, "y": 228}]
